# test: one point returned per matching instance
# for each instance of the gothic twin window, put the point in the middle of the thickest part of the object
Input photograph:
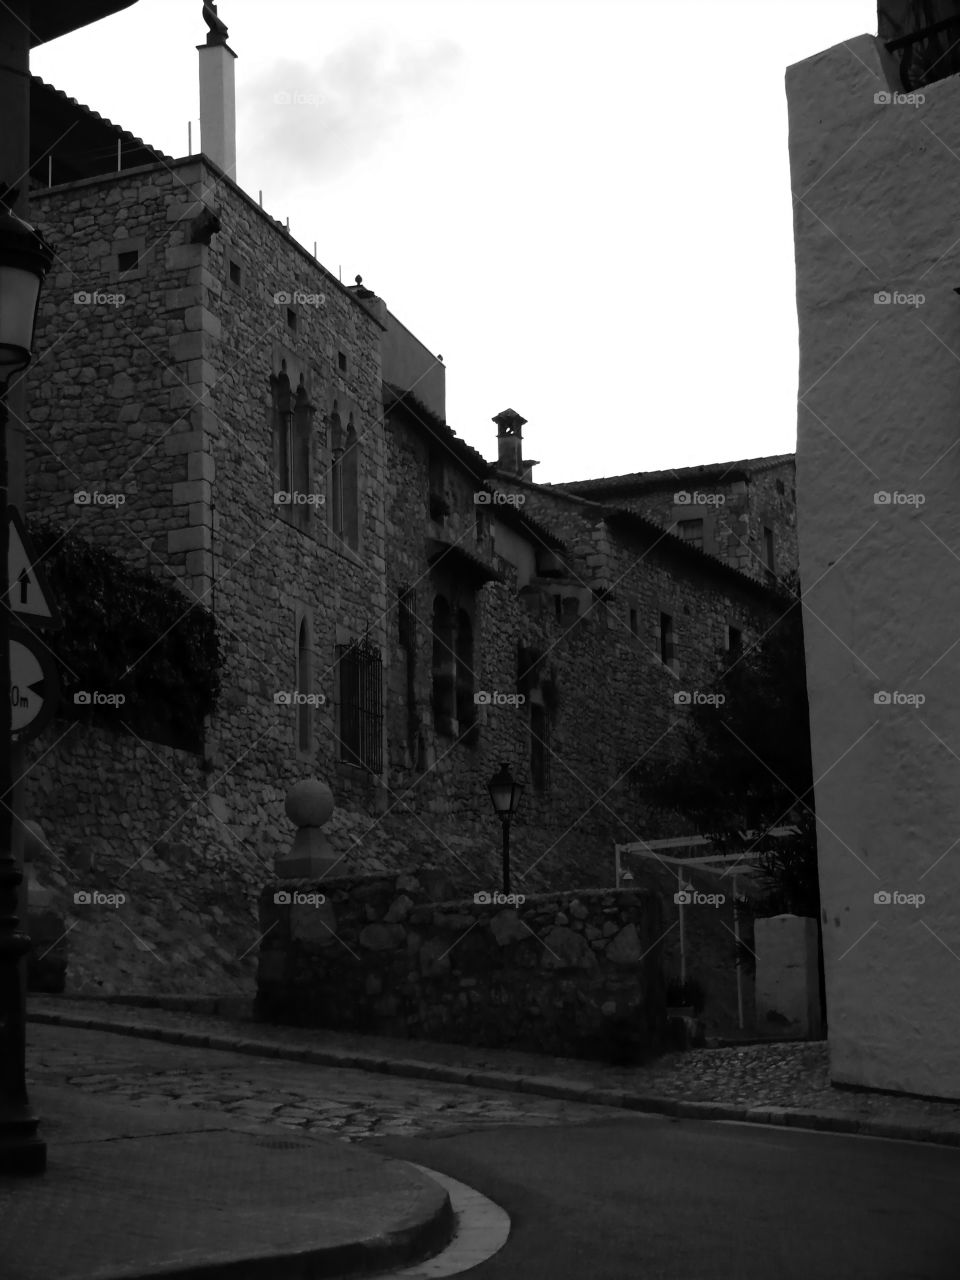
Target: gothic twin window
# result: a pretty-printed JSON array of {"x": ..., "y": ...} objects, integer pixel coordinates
[
  {"x": 344, "y": 480},
  {"x": 292, "y": 425},
  {"x": 295, "y": 464}
]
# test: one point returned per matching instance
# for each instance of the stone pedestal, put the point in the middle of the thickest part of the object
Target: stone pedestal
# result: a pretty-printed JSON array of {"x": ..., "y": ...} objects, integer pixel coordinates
[{"x": 309, "y": 806}]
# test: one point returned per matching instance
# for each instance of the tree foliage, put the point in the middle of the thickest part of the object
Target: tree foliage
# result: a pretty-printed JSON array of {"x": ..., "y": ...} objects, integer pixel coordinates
[{"x": 743, "y": 763}]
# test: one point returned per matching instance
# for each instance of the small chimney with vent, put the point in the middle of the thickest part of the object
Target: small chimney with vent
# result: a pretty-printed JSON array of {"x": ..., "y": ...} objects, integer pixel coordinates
[
  {"x": 218, "y": 97},
  {"x": 510, "y": 442}
]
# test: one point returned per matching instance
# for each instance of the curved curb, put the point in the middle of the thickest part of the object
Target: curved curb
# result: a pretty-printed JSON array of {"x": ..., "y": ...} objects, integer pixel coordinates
[
  {"x": 483, "y": 1228},
  {"x": 544, "y": 1086}
]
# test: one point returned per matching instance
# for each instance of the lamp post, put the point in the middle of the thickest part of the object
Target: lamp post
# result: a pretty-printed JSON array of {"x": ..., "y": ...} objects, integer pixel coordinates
[
  {"x": 505, "y": 794},
  {"x": 25, "y": 258}
]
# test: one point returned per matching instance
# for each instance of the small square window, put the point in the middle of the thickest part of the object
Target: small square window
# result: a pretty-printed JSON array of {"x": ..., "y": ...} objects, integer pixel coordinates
[
  {"x": 129, "y": 260},
  {"x": 291, "y": 319},
  {"x": 235, "y": 273},
  {"x": 342, "y": 361}
]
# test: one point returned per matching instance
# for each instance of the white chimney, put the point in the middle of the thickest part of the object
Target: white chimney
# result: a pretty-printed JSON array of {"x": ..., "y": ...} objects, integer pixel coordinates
[{"x": 218, "y": 98}]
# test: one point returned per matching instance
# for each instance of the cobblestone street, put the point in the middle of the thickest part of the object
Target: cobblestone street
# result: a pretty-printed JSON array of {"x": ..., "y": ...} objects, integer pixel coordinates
[{"x": 351, "y": 1104}]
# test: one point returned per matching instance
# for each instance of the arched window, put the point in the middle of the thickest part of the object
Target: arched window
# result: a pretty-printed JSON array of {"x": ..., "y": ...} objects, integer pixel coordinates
[
  {"x": 300, "y": 482},
  {"x": 444, "y": 669},
  {"x": 283, "y": 450},
  {"x": 304, "y": 689},
  {"x": 466, "y": 707},
  {"x": 336, "y": 472},
  {"x": 351, "y": 489}
]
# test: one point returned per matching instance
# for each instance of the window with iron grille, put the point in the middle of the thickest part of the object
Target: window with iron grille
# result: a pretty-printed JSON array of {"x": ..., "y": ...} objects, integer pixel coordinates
[{"x": 361, "y": 704}]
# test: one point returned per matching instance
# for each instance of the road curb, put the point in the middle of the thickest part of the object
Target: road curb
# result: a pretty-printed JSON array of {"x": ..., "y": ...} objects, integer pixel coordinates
[{"x": 544, "y": 1086}]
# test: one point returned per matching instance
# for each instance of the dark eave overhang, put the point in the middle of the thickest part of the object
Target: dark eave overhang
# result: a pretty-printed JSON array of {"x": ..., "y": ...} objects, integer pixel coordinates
[
  {"x": 456, "y": 559},
  {"x": 50, "y": 19}
]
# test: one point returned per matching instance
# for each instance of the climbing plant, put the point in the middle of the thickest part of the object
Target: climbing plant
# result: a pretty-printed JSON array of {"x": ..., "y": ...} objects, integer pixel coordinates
[{"x": 128, "y": 632}]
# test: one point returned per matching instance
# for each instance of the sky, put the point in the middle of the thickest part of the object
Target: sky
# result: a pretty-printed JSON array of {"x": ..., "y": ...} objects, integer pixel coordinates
[{"x": 584, "y": 206}]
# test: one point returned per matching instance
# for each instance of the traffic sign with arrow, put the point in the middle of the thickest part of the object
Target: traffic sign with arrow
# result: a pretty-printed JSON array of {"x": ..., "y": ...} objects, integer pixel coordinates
[{"x": 27, "y": 591}]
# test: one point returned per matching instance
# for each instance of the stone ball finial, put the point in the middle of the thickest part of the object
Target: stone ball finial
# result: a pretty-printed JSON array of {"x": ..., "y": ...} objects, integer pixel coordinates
[
  {"x": 309, "y": 803},
  {"x": 358, "y": 279}
]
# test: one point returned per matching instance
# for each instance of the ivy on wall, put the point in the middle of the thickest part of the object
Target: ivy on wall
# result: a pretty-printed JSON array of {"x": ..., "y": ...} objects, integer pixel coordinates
[{"x": 127, "y": 632}]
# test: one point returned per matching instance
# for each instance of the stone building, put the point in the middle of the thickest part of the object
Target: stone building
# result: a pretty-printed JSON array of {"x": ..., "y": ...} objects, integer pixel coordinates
[
  {"x": 399, "y": 615},
  {"x": 874, "y": 133}
]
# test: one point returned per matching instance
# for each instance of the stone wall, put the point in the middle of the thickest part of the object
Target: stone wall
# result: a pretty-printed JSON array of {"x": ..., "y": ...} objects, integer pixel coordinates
[{"x": 551, "y": 974}]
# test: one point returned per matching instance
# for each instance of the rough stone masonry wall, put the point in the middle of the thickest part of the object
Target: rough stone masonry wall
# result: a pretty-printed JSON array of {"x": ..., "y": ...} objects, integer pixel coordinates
[
  {"x": 550, "y": 974},
  {"x": 733, "y": 528},
  {"x": 164, "y": 397}
]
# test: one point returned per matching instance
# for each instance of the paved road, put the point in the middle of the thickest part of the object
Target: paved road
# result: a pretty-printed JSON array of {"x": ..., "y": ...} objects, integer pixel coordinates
[{"x": 592, "y": 1192}]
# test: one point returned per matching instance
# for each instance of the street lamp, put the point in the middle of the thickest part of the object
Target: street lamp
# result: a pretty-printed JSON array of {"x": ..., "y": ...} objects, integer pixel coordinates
[
  {"x": 505, "y": 794},
  {"x": 25, "y": 258}
]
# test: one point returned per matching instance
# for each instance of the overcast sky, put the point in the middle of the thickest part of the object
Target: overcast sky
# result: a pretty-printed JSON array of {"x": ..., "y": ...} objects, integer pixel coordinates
[{"x": 583, "y": 205}]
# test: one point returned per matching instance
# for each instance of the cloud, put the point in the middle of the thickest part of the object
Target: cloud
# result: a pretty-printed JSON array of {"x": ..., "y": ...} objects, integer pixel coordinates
[{"x": 305, "y": 121}]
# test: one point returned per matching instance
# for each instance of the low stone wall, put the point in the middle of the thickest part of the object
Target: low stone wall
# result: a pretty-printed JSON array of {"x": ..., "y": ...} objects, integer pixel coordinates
[{"x": 576, "y": 975}]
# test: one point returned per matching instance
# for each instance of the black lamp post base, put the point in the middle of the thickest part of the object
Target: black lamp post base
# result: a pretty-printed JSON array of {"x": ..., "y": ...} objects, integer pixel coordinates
[{"x": 21, "y": 1151}]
